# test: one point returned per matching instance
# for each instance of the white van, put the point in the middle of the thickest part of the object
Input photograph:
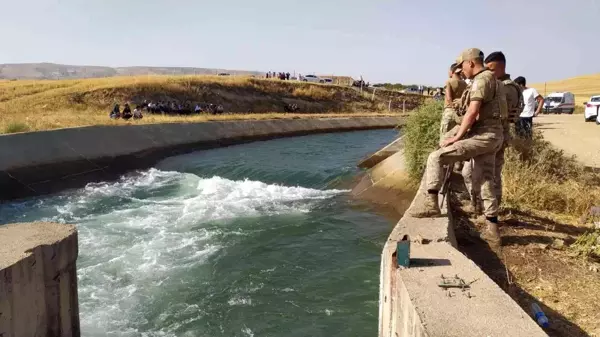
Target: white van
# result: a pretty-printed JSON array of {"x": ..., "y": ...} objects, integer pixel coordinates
[{"x": 559, "y": 102}]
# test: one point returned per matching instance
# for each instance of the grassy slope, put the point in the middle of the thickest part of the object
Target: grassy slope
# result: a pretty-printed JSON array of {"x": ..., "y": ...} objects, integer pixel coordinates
[
  {"x": 46, "y": 104},
  {"x": 582, "y": 87}
]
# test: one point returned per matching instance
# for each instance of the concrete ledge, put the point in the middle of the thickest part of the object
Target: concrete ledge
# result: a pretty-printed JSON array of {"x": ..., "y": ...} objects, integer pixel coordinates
[
  {"x": 45, "y": 162},
  {"x": 410, "y": 301},
  {"x": 38, "y": 280},
  {"x": 382, "y": 154},
  {"x": 387, "y": 183}
]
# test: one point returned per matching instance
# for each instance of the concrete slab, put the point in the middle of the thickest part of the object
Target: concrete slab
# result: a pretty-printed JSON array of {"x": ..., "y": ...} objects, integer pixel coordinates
[
  {"x": 382, "y": 154},
  {"x": 488, "y": 312},
  {"x": 38, "y": 280}
]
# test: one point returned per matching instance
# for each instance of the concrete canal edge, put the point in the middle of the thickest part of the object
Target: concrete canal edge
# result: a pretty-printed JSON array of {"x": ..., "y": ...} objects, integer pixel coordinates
[
  {"x": 411, "y": 304},
  {"x": 44, "y": 162},
  {"x": 38, "y": 280}
]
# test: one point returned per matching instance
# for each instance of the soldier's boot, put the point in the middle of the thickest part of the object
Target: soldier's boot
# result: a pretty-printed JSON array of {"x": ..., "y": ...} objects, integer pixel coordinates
[
  {"x": 491, "y": 234},
  {"x": 429, "y": 209}
]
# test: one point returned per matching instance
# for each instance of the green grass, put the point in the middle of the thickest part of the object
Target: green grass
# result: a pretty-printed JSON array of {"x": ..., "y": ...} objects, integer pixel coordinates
[
  {"x": 14, "y": 127},
  {"x": 421, "y": 136}
]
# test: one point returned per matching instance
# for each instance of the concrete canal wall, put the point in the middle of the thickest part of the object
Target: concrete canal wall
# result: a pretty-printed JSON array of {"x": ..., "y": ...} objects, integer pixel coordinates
[
  {"x": 38, "y": 280},
  {"x": 45, "y": 162},
  {"x": 411, "y": 303}
]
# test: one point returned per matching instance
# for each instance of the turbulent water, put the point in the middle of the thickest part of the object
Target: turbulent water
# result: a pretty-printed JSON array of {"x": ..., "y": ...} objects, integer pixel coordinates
[{"x": 260, "y": 239}]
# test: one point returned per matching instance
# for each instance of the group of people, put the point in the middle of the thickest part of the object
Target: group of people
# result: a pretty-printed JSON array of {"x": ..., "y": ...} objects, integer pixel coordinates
[
  {"x": 482, "y": 104},
  {"x": 281, "y": 76},
  {"x": 164, "y": 107},
  {"x": 127, "y": 113}
]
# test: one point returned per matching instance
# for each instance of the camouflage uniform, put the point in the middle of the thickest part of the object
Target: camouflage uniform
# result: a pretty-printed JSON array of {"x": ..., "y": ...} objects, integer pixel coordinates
[
  {"x": 481, "y": 142},
  {"x": 510, "y": 109},
  {"x": 457, "y": 87}
]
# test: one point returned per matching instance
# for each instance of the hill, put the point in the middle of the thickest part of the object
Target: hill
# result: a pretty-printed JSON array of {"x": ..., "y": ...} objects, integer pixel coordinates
[
  {"x": 582, "y": 87},
  {"x": 52, "y": 71},
  {"x": 49, "y": 104}
]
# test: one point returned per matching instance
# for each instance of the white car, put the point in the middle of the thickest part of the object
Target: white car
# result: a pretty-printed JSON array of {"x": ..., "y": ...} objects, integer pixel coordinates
[
  {"x": 591, "y": 109},
  {"x": 312, "y": 78}
]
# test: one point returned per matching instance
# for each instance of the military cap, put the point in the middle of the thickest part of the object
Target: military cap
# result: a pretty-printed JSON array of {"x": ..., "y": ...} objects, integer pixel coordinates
[
  {"x": 468, "y": 55},
  {"x": 496, "y": 56}
]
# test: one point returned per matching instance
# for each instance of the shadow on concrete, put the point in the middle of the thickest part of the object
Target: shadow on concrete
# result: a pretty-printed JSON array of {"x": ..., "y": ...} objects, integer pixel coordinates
[
  {"x": 429, "y": 262},
  {"x": 488, "y": 260}
]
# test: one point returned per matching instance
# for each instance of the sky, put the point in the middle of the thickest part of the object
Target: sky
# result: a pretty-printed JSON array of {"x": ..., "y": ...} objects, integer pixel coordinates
[{"x": 382, "y": 40}]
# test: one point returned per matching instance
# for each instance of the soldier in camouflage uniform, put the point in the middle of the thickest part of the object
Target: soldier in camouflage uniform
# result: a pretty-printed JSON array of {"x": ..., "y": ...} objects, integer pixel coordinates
[
  {"x": 479, "y": 137},
  {"x": 455, "y": 86},
  {"x": 496, "y": 62}
]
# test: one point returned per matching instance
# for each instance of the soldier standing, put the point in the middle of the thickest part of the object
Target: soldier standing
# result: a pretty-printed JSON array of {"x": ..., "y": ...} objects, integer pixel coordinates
[
  {"x": 455, "y": 86},
  {"x": 496, "y": 62},
  {"x": 479, "y": 137}
]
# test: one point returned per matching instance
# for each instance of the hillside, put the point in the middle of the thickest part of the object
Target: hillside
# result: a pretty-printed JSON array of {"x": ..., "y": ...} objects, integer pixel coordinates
[
  {"x": 582, "y": 87},
  {"x": 52, "y": 71},
  {"x": 47, "y": 104}
]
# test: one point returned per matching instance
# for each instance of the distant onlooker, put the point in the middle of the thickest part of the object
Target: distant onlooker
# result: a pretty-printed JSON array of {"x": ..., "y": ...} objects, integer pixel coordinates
[
  {"x": 287, "y": 76},
  {"x": 524, "y": 126},
  {"x": 116, "y": 112},
  {"x": 137, "y": 113},
  {"x": 127, "y": 112}
]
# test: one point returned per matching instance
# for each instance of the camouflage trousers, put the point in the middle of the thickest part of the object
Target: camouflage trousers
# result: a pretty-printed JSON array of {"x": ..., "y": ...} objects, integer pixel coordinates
[
  {"x": 448, "y": 122},
  {"x": 480, "y": 147},
  {"x": 472, "y": 173}
]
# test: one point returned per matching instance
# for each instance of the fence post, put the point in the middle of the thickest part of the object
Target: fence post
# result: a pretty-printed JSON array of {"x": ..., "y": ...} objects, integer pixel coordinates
[
  {"x": 404, "y": 106},
  {"x": 373, "y": 96},
  {"x": 390, "y": 106}
]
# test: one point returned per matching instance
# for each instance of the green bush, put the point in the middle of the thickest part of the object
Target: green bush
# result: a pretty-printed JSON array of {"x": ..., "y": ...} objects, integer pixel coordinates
[
  {"x": 15, "y": 127},
  {"x": 421, "y": 136}
]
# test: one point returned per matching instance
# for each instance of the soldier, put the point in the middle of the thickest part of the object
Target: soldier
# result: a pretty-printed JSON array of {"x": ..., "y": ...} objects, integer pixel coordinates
[
  {"x": 455, "y": 86},
  {"x": 496, "y": 62},
  {"x": 478, "y": 137}
]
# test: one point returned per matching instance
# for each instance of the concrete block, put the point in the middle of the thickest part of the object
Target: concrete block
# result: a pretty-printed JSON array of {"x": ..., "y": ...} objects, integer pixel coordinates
[{"x": 38, "y": 281}]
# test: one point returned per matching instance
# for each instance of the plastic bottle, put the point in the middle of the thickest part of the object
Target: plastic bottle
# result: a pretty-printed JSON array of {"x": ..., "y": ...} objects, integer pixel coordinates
[{"x": 539, "y": 315}]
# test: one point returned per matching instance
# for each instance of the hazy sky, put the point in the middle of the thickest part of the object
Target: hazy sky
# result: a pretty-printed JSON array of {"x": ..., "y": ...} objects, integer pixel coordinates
[{"x": 392, "y": 41}]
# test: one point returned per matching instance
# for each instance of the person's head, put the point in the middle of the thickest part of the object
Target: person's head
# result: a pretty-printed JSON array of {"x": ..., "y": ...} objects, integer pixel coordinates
[
  {"x": 521, "y": 81},
  {"x": 470, "y": 61},
  {"x": 455, "y": 71},
  {"x": 496, "y": 62}
]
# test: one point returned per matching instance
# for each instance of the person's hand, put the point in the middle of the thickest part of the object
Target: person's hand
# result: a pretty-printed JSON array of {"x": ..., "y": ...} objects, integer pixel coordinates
[{"x": 447, "y": 142}]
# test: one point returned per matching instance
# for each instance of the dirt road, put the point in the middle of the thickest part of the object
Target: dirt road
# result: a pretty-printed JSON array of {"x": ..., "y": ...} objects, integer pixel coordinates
[{"x": 571, "y": 134}]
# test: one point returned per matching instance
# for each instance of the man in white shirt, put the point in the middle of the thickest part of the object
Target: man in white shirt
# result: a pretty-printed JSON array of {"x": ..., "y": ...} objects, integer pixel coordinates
[{"x": 530, "y": 96}]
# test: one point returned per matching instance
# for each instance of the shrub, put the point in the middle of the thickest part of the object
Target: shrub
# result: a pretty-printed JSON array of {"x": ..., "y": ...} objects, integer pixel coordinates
[
  {"x": 538, "y": 176},
  {"x": 421, "y": 136},
  {"x": 14, "y": 127}
]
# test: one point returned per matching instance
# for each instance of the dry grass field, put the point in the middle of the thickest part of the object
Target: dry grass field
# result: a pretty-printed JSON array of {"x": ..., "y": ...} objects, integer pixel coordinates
[
  {"x": 29, "y": 105},
  {"x": 582, "y": 87}
]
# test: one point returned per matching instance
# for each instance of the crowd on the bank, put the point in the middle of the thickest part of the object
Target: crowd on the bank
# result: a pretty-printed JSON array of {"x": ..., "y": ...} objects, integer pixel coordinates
[
  {"x": 164, "y": 107},
  {"x": 280, "y": 75}
]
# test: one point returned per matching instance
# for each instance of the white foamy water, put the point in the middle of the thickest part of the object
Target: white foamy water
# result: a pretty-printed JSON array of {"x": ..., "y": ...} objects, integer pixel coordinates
[{"x": 140, "y": 235}]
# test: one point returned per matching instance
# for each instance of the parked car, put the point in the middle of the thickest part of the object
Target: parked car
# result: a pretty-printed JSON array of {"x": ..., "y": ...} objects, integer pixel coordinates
[
  {"x": 559, "y": 102},
  {"x": 591, "y": 109},
  {"x": 312, "y": 78},
  {"x": 410, "y": 90}
]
